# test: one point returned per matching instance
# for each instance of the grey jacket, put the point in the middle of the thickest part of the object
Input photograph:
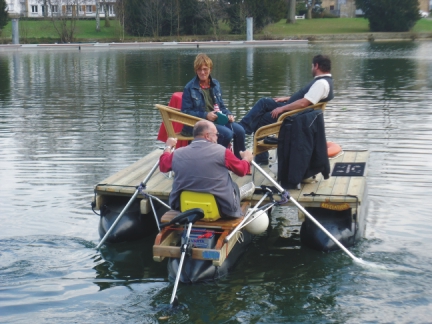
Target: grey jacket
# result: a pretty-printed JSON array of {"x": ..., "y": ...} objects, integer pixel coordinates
[{"x": 200, "y": 167}]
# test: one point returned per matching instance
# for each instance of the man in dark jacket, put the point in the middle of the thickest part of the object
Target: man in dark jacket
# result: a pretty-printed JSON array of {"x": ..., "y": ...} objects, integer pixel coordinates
[{"x": 267, "y": 110}]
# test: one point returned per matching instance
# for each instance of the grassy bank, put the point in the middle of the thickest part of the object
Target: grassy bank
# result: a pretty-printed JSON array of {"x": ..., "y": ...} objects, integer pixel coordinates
[
  {"x": 39, "y": 31},
  {"x": 333, "y": 26},
  {"x": 43, "y": 31}
]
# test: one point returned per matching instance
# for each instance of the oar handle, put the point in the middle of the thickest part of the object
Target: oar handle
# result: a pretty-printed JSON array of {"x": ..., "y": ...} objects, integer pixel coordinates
[{"x": 144, "y": 182}]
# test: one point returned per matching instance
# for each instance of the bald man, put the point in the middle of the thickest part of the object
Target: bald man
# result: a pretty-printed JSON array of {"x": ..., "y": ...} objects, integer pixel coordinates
[{"x": 204, "y": 166}]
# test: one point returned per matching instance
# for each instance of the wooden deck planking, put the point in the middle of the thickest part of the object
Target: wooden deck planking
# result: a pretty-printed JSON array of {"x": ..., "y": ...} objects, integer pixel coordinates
[
  {"x": 142, "y": 166},
  {"x": 125, "y": 181},
  {"x": 140, "y": 171},
  {"x": 160, "y": 186},
  {"x": 309, "y": 188},
  {"x": 324, "y": 187},
  {"x": 357, "y": 184},
  {"x": 341, "y": 184}
]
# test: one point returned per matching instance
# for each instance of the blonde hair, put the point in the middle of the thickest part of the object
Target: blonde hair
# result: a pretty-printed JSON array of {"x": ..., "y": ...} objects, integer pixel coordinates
[{"x": 202, "y": 59}]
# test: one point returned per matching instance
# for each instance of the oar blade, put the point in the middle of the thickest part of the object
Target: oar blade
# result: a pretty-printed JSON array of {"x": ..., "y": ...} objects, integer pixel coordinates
[{"x": 175, "y": 302}]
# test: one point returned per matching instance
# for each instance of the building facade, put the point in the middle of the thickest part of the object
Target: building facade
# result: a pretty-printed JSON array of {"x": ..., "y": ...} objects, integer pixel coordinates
[
  {"x": 347, "y": 8},
  {"x": 48, "y": 8}
]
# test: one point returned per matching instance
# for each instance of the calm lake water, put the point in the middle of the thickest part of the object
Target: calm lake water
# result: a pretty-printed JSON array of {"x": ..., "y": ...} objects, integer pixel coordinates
[{"x": 70, "y": 119}]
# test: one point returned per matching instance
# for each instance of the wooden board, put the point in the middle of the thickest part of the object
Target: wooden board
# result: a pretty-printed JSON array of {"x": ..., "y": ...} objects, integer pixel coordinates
[
  {"x": 334, "y": 189},
  {"x": 166, "y": 241}
]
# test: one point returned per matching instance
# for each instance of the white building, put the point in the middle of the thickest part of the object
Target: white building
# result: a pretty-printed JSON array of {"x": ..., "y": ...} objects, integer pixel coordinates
[{"x": 46, "y": 8}]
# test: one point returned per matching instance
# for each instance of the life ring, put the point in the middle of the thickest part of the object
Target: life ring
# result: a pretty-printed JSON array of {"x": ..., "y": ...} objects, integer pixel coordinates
[{"x": 333, "y": 149}]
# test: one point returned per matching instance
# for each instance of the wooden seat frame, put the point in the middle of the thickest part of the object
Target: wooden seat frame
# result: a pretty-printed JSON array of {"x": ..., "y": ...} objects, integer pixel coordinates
[
  {"x": 172, "y": 115},
  {"x": 273, "y": 129}
]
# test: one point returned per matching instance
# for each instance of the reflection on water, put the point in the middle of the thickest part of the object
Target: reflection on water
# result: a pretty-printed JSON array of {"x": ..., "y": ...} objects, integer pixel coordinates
[
  {"x": 70, "y": 119},
  {"x": 4, "y": 80}
]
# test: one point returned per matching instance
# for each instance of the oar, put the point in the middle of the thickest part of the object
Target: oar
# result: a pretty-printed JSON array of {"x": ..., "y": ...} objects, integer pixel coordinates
[
  {"x": 322, "y": 228},
  {"x": 128, "y": 204},
  {"x": 190, "y": 217},
  {"x": 174, "y": 299}
]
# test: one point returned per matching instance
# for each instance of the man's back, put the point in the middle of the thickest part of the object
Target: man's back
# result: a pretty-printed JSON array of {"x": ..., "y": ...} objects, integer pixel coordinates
[{"x": 201, "y": 167}]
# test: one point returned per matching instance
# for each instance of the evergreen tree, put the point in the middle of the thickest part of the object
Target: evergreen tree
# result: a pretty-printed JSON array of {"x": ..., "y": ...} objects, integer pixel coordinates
[
  {"x": 390, "y": 15},
  {"x": 4, "y": 18}
]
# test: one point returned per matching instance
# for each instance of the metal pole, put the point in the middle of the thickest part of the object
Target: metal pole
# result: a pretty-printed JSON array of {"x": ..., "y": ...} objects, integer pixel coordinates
[
  {"x": 249, "y": 28},
  {"x": 249, "y": 213},
  {"x": 127, "y": 206},
  {"x": 15, "y": 31},
  {"x": 184, "y": 247},
  {"x": 281, "y": 190}
]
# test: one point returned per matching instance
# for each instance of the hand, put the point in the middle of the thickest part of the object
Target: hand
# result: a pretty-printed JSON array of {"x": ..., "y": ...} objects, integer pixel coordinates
[
  {"x": 281, "y": 99},
  {"x": 246, "y": 155},
  {"x": 211, "y": 116},
  {"x": 231, "y": 118},
  {"x": 171, "y": 142},
  {"x": 276, "y": 112}
]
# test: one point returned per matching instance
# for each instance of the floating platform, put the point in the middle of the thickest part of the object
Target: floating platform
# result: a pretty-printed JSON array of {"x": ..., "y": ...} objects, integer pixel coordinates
[
  {"x": 335, "y": 193},
  {"x": 338, "y": 203}
]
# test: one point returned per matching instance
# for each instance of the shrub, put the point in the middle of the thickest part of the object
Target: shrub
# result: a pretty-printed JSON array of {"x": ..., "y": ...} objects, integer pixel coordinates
[{"x": 390, "y": 15}]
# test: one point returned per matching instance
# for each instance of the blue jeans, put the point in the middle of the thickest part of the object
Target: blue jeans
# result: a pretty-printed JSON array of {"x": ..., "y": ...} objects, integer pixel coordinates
[
  {"x": 258, "y": 116},
  {"x": 230, "y": 131}
]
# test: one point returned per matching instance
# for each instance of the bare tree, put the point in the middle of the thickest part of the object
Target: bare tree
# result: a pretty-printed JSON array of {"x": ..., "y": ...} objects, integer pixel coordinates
[
  {"x": 45, "y": 8},
  {"x": 291, "y": 12},
  {"x": 215, "y": 12},
  {"x": 107, "y": 22},
  {"x": 172, "y": 13},
  {"x": 97, "y": 16},
  {"x": 178, "y": 17},
  {"x": 120, "y": 14},
  {"x": 152, "y": 16},
  {"x": 64, "y": 15},
  {"x": 310, "y": 5}
]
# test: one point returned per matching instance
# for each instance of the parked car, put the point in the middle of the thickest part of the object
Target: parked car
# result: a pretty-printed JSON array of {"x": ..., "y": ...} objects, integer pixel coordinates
[{"x": 423, "y": 14}]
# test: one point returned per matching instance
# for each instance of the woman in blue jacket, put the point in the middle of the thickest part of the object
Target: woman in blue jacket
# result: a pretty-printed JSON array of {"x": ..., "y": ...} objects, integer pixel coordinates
[{"x": 202, "y": 98}]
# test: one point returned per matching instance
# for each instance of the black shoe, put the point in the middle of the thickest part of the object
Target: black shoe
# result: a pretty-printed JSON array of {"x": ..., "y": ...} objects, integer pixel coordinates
[
  {"x": 262, "y": 162},
  {"x": 262, "y": 158},
  {"x": 246, "y": 128}
]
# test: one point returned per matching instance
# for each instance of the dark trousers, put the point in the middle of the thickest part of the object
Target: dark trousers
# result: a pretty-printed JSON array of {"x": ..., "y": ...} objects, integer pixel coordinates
[
  {"x": 258, "y": 116},
  {"x": 230, "y": 131}
]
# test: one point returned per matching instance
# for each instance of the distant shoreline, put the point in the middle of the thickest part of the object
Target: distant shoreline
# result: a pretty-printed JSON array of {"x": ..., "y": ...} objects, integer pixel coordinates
[
  {"x": 153, "y": 45},
  {"x": 297, "y": 40}
]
